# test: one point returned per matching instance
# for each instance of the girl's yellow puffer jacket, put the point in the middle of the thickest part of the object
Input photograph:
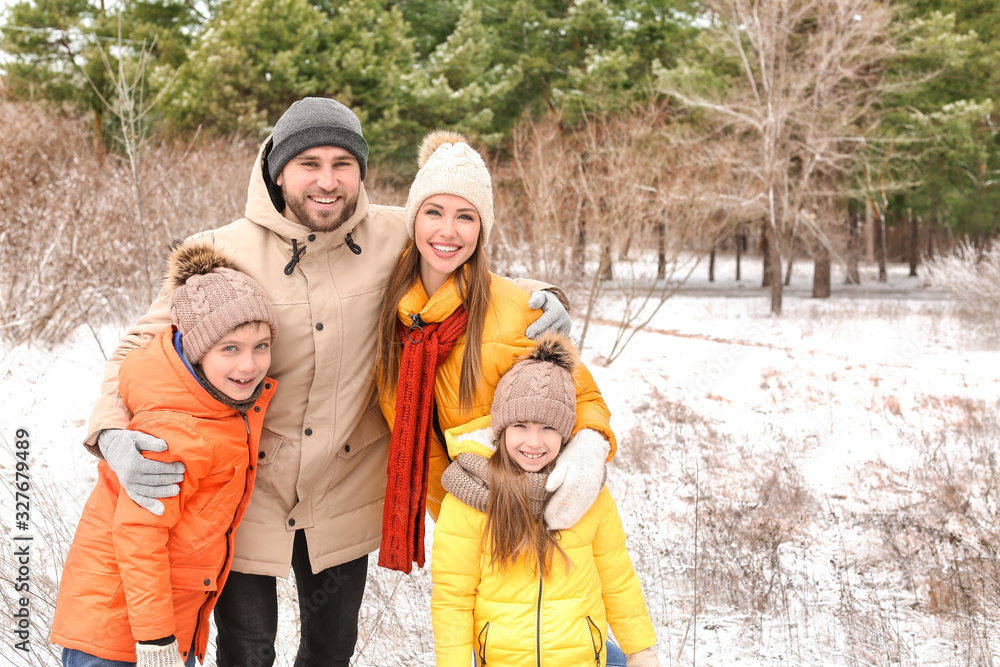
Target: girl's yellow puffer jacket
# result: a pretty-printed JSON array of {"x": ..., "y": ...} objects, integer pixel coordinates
[
  {"x": 503, "y": 344},
  {"x": 516, "y": 618}
]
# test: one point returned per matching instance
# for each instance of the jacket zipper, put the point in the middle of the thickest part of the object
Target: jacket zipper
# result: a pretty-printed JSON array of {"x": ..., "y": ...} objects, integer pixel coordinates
[
  {"x": 599, "y": 644},
  {"x": 538, "y": 626},
  {"x": 484, "y": 636},
  {"x": 225, "y": 560}
]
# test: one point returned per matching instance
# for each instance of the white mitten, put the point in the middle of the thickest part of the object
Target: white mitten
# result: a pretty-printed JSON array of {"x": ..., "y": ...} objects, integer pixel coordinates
[
  {"x": 151, "y": 655},
  {"x": 645, "y": 658},
  {"x": 576, "y": 479}
]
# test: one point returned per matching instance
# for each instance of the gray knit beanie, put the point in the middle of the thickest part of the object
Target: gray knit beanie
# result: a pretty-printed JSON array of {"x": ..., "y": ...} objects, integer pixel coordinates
[
  {"x": 210, "y": 297},
  {"x": 448, "y": 165},
  {"x": 539, "y": 389},
  {"x": 312, "y": 122}
]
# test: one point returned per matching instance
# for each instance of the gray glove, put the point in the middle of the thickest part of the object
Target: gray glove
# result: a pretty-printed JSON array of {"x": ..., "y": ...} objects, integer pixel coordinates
[
  {"x": 151, "y": 655},
  {"x": 553, "y": 318},
  {"x": 144, "y": 479},
  {"x": 576, "y": 479}
]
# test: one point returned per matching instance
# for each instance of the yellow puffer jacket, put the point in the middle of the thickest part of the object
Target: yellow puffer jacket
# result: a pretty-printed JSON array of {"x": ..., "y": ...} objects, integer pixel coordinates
[
  {"x": 503, "y": 344},
  {"x": 516, "y": 618}
]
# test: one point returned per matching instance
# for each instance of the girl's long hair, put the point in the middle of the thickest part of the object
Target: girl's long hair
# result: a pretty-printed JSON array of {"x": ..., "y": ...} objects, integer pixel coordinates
[
  {"x": 512, "y": 530},
  {"x": 473, "y": 282}
]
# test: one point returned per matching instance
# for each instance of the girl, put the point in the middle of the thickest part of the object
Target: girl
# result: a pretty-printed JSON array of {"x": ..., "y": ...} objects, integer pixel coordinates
[
  {"x": 448, "y": 331},
  {"x": 505, "y": 585}
]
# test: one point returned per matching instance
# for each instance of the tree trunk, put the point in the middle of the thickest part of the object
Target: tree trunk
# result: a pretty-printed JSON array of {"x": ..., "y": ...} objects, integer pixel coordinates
[
  {"x": 661, "y": 250},
  {"x": 821, "y": 274},
  {"x": 626, "y": 248},
  {"x": 741, "y": 240},
  {"x": 776, "y": 287},
  {"x": 853, "y": 241},
  {"x": 580, "y": 242},
  {"x": 711, "y": 265},
  {"x": 914, "y": 243},
  {"x": 765, "y": 248},
  {"x": 606, "y": 271},
  {"x": 788, "y": 270},
  {"x": 880, "y": 249}
]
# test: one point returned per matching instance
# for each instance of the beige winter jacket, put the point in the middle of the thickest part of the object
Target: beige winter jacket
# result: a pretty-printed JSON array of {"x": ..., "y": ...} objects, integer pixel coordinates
[{"x": 324, "y": 448}]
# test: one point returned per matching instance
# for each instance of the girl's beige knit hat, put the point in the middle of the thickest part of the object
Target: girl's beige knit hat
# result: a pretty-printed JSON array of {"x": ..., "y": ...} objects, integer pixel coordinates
[{"x": 539, "y": 389}]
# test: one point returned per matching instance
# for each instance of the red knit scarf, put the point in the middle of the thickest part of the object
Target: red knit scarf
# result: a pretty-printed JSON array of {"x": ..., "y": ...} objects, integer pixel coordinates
[{"x": 406, "y": 490}]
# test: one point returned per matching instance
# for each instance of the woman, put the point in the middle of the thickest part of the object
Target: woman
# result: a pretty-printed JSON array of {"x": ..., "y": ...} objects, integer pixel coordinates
[{"x": 449, "y": 329}]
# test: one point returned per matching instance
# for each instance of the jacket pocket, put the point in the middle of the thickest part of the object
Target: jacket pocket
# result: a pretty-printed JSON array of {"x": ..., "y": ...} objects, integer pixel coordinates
[
  {"x": 270, "y": 443},
  {"x": 192, "y": 578},
  {"x": 216, "y": 492},
  {"x": 481, "y": 639},
  {"x": 596, "y": 639},
  {"x": 371, "y": 428}
]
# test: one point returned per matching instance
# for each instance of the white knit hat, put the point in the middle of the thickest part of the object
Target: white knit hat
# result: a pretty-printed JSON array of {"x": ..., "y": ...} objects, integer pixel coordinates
[{"x": 448, "y": 165}]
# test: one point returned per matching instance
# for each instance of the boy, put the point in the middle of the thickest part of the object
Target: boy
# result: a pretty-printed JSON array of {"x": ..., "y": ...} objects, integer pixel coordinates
[{"x": 138, "y": 589}]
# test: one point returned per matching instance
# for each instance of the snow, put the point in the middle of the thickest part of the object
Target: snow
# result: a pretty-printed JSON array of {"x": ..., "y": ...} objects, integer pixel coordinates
[{"x": 810, "y": 489}]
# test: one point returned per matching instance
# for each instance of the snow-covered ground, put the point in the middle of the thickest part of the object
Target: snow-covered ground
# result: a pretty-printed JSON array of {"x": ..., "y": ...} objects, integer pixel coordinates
[{"x": 812, "y": 489}]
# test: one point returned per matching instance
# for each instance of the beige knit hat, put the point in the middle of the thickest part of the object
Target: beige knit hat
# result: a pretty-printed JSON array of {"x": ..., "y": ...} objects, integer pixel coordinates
[
  {"x": 539, "y": 389},
  {"x": 448, "y": 165},
  {"x": 210, "y": 297}
]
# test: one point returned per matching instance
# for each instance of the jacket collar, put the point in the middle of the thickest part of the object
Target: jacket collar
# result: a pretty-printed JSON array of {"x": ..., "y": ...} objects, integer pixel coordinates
[
  {"x": 260, "y": 209},
  {"x": 436, "y": 308}
]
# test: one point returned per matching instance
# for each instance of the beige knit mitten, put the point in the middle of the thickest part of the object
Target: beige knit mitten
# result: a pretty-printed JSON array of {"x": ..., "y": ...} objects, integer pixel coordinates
[
  {"x": 576, "y": 479},
  {"x": 645, "y": 658},
  {"x": 150, "y": 655}
]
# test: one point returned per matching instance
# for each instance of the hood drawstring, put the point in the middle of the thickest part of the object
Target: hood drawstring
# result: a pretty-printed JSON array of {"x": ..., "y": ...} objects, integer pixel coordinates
[
  {"x": 296, "y": 256},
  {"x": 355, "y": 248}
]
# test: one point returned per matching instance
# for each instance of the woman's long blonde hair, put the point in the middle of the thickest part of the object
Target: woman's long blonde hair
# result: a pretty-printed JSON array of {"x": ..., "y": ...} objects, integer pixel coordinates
[
  {"x": 473, "y": 282},
  {"x": 512, "y": 529}
]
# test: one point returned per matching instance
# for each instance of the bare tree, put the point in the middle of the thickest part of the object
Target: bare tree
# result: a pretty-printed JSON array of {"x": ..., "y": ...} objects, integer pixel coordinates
[
  {"x": 630, "y": 186},
  {"x": 132, "y": 109},
  {"x": 809, "y": 74}
]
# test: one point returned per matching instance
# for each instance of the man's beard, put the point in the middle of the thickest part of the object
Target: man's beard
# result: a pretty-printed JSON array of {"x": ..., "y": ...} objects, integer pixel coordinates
[{"x": 317, "y": 220}]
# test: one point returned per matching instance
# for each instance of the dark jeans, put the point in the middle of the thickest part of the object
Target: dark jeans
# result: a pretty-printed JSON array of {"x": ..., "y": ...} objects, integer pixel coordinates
[{"x": 246, "y": 615}]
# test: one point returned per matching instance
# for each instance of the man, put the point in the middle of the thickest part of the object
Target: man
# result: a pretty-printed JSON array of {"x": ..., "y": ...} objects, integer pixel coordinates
[{"x": 323, "y": 253}]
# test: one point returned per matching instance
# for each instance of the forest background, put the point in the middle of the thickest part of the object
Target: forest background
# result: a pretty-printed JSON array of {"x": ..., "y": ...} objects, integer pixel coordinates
[{"x": 815, "y": 130}]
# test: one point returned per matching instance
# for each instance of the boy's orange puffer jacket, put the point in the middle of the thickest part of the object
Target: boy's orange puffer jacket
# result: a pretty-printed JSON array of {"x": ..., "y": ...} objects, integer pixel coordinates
[{"x": 131, "y": 575}]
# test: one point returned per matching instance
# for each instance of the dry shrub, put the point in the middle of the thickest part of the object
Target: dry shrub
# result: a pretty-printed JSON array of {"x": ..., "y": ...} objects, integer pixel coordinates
[
  {"x": 740, "y": 537},
  {"x": 70, "y": 252},
  {"x": 945, "y": 541},
  {"x": 973, "y": 276}
]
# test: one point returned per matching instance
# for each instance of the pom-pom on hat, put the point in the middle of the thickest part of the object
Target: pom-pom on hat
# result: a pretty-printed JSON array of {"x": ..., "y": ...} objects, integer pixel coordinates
[
  {"x": 448, "y": 165},
  {"x": 209, "y": 297},
  {"x": 312, "y": 122},
  {"x": 540, "y": 388}
]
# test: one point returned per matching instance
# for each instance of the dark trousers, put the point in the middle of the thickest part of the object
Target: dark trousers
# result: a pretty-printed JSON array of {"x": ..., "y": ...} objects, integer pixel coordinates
[{"x": 246, "y": 615}]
